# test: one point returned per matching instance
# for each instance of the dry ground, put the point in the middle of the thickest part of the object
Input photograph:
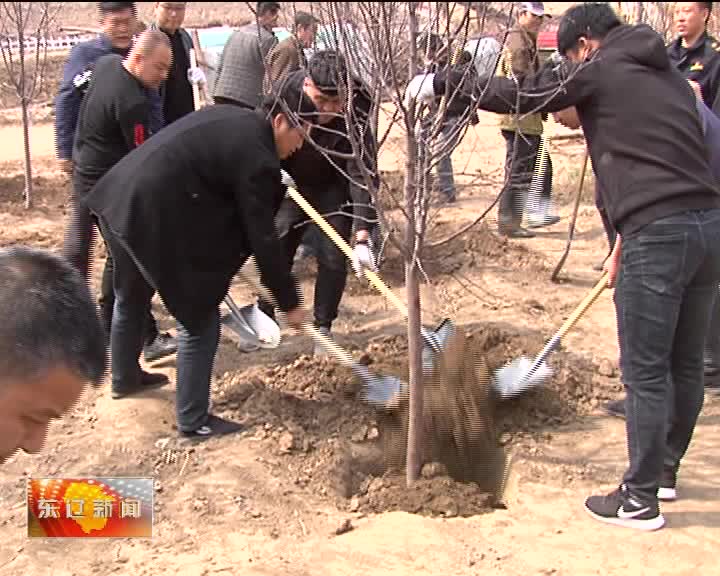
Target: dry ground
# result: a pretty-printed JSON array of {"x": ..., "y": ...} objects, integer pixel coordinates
[{"x": 270, "y": 500}]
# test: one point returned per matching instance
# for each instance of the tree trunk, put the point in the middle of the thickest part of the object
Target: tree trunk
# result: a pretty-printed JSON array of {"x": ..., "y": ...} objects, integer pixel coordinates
[
  {"x": 415, "y": 343},
  {"x": 415, "y": 424},
  {"x": 24, "y": 104},
  {"x": 28, "y": 163}
]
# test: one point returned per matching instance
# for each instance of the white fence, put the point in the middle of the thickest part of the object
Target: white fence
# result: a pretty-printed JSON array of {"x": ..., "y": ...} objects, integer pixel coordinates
[{"x": 59, "y": 44}]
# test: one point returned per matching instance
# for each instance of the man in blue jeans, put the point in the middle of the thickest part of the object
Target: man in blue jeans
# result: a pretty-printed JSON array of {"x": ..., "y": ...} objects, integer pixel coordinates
[{"x": 650, "y": 156}]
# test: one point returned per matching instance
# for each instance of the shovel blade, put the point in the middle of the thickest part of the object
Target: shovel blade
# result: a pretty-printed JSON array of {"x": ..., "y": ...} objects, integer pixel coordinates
[
  {"x": 516, "y": 377},
  {"x": 379, "y": 391},
  {"x": 254, "y": 328}
]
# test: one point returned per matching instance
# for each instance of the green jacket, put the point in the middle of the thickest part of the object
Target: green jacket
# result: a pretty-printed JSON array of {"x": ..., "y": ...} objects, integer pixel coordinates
[{"x": 520, "y": 57}]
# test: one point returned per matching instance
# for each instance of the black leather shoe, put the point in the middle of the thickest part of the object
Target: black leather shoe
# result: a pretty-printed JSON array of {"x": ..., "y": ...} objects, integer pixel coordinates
[
  {"x": 148, "y": 381},
  {"x": 163, "y": 345}
]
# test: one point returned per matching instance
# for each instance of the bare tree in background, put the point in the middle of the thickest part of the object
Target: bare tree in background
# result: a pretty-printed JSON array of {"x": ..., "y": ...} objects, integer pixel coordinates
[{"x": 25, "y": 30}]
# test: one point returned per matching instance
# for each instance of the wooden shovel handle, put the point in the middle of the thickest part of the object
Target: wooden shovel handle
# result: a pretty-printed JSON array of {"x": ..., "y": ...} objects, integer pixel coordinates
[
  {"x": 341, "y": 355},
  {"x": 374, "y": 279},
  {"x": 583, "y": 306}
]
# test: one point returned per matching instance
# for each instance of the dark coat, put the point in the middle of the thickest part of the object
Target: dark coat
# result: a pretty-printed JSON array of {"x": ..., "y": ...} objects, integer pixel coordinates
[{"x": 193, "y": 203}]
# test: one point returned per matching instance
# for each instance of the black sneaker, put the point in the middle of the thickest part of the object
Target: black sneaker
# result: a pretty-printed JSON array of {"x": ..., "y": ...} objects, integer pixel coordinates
[
  {"x": 215, "y": 426},
  {"x": 622, "y": 509},
  {"x": 668, "y": 481},
  {"x": 163, "y": 345},
  {"x": 712, "y": 379},
  {"x": 148, "y": 381},
  {"x": 615, "y": 408}
]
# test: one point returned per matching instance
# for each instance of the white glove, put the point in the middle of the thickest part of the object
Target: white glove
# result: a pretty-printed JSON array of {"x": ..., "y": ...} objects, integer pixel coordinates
[
  {"x": 287, "y": 179},
  {"x": 196, "y": 76},
  {"x": 420, "y": 88},
  {"x": 363, "y": 258}
]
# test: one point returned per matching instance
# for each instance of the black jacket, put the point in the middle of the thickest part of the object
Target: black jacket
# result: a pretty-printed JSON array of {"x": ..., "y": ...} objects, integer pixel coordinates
[
  {"x": 313, "y": 173},
  {"x": 193, "y": 203},
  {"x": 639, "y": 119},
  {"x": 700, "y": 62},
  {"x": 114, "y": 118}
]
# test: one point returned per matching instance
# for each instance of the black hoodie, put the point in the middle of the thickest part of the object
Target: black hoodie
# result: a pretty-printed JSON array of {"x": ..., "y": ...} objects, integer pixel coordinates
[{"x": 640, "y": 122}]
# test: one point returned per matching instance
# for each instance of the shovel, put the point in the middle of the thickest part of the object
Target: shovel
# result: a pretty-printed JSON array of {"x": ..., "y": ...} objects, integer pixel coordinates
[
  {"x": 380, "y": 391},
  {"x": 430, "y": 338},
  {"x": 523, "y": 373}
]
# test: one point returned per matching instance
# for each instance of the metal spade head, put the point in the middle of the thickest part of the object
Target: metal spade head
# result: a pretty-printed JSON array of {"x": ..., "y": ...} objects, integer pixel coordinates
[
  {"x": 519, "y": 376},
  {"x": 380, "y": 391},
  {"x": 253, "y": 327}
]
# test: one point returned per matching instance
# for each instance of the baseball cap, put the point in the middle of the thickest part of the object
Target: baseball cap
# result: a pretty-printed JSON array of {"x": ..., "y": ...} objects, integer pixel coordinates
[{"x": 537, "y": 8}]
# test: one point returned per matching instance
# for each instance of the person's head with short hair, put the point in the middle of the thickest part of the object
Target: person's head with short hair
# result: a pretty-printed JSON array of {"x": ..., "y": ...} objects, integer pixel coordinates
[
  {"x": 118, "y": 21},
  {"x": 52, "y": 344},
  {"x": 169, "y": 16},
  {"x": 326, "y": 84},
  {"x": 291, "y": 113},
  {"x": 267, "y": 14},
  {"x": 305, "y": 28},
  {"x": 531, "y": 16},
  {"x": 690, "y": 20},
  {"x": 583, "y": 28},
  {"x": 150, "y": 58}
]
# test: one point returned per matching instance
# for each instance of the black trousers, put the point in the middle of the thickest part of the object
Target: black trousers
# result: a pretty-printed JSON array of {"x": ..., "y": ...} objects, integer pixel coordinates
[
  {"x": 77, "y": 245},
  {"x": 291, "y": 223}
]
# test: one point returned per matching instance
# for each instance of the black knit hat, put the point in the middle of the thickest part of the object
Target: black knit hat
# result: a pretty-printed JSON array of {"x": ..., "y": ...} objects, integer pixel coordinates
[
  {"x": 291, "y": 101},
  {"x": 328, "y": 71}
]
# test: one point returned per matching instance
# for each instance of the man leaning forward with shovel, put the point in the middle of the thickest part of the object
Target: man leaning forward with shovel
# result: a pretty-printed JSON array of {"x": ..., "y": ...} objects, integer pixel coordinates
[{"x": 181, "y": 214}]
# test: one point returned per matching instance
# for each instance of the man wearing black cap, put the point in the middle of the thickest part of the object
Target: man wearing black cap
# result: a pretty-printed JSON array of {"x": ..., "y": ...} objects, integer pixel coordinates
[
  {"x": 241, "y": 70},
  {"x": 322, "y": 181},
  {"x": 181, "y": 214}
]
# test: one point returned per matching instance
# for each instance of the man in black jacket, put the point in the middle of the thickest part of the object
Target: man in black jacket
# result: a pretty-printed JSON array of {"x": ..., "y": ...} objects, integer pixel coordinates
[
  {"x": 181, "y": 214},
  {"x": 115, "y": 118},
  {"x": 334, "y": 185},
  {"x": 177, "y": 91},
  {"x": 662, "y": 199}
]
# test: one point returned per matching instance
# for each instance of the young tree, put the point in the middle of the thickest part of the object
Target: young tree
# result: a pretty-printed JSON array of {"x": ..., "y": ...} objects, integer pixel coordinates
[
  {"x": 384, "y": 45},
  {"x": 25, "y": 28}
]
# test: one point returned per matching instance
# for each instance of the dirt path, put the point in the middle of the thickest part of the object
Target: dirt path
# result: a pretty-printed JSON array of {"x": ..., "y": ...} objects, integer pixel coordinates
[{"x": 248, "y": 506}]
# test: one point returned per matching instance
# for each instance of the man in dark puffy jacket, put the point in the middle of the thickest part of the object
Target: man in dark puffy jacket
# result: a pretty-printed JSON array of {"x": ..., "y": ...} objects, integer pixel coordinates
[{"x": 663, "y": 201}]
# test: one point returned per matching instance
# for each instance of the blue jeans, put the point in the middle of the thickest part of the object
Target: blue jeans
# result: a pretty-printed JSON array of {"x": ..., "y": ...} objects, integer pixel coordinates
[
  {"x": 196, "y": 350},
  {"x": 668, "y": 276}
]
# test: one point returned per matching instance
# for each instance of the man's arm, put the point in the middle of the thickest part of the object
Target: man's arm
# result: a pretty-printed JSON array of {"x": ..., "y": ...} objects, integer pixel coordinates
[
  {"x": 554, "y": 88},
  {"x": 67, "y": 103},
  {"x": 255, "y": 197}
]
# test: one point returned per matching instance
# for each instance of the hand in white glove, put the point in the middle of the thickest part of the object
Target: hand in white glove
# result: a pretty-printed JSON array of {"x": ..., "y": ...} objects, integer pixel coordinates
[
  {"x": 363, "y": 258},
  {"x": 196, "y": 76},
  {"x": 420, "y": 88},
  {"x": 287, "y": 179}
]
